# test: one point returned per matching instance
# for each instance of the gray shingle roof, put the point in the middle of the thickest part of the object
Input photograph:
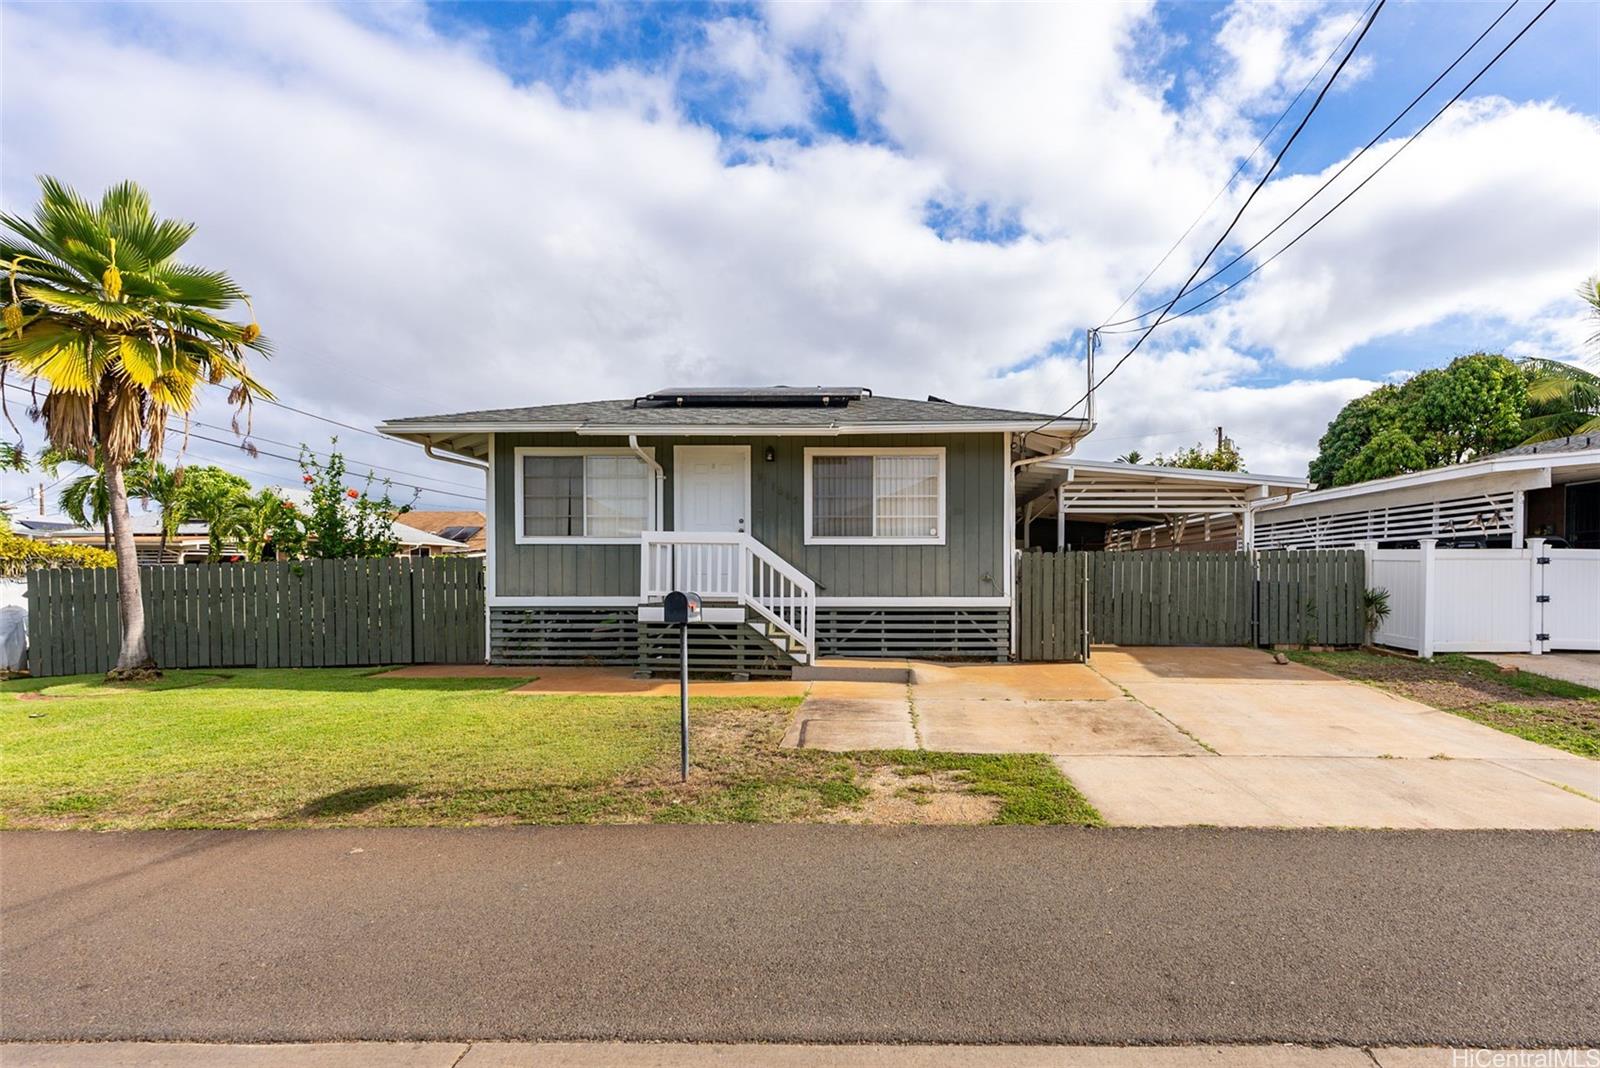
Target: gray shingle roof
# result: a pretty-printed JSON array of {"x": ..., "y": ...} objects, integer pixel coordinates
[
  {"x": 864, "y": 412},
  {"x": 1576, "y": 443}
]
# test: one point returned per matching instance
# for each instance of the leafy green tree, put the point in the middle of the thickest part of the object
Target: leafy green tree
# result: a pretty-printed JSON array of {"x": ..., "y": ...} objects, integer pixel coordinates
[
  {"x": 98, "y": 308},
  {"x": 1351, "y": 429},
  {"x": 1390, "y": 452},
  {"x": 1225, "y": 457},
  {"x": 1473, "y": 408}
]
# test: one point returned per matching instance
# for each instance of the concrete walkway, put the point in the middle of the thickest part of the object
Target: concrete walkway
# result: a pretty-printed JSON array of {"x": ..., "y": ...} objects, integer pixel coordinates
[
  {"x": 690, "y": 1055},
  {"x": 1172, "y": 736}
]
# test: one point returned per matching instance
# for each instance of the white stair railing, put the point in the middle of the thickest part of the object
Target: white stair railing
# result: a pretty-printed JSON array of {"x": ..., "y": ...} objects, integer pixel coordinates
[{"x": 731, "y": 567}]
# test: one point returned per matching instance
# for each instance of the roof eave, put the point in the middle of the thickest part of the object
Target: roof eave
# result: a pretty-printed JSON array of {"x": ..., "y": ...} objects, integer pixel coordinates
[{"x": 724, "y": 429}]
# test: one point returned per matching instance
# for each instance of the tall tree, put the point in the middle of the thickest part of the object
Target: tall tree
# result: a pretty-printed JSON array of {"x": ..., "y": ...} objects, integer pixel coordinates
[{"x": 122, "y": 335}]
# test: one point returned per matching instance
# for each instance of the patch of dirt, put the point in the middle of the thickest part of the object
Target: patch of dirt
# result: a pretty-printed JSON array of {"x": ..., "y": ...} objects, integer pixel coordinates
[
  {"x": 939, "y": 797},
  {"x": 1442, "y": 686}
]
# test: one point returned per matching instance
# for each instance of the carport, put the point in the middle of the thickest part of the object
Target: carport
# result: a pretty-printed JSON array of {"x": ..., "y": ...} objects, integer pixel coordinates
[{"x": 1147, "y": 507}]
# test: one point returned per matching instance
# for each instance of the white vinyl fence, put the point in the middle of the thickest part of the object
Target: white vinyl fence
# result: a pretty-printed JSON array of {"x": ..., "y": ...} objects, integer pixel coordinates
[{"x": 1532, "y": 600}]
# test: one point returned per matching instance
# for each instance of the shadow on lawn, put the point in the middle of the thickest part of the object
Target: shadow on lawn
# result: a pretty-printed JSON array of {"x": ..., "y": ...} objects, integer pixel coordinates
[{"x": 355, "y": 799}]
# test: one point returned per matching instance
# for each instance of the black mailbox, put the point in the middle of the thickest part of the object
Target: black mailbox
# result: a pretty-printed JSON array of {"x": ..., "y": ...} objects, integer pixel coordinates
[{"x": 681, "y": 608}]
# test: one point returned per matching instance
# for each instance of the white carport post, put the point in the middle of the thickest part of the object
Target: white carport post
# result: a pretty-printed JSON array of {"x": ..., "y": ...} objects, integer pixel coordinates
[{"x": 1061, "y": 518}]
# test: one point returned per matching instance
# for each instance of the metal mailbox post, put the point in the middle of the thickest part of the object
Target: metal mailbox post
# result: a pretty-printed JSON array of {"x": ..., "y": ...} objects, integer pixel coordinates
[{"x": 682, "y": 608}]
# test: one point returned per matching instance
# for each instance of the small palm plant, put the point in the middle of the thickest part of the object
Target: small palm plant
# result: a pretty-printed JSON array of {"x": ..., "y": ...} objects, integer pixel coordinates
[
  {"x": 1375, "y": 606},
  {"x": 122, "y": 335}
]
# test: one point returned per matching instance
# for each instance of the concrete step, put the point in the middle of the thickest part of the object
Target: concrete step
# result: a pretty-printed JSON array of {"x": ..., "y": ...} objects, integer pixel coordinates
[{"x": 853, "y": 671}]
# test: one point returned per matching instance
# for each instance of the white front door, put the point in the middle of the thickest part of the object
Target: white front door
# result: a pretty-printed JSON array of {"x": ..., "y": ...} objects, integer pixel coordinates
[{"x": 711, "y": 488}]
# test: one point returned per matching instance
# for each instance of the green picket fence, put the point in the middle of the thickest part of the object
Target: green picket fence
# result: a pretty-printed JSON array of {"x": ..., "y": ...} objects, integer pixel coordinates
[
  {"x": 1066, "y": 600},
  {"x": 1311, "y": 597},
  {"x": 307, "y": 613}
]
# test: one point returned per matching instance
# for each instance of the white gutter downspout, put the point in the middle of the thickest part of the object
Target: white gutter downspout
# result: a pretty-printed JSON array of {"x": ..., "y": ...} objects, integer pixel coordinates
[
  {"x": 427, "y": 448},
  {"x": 661, "y": 479},
  {"x": 1011, "y": 507}
]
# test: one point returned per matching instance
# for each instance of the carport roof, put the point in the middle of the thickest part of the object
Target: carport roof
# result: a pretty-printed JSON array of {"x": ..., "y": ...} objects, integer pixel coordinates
[{"x": 1110, "y": 488}]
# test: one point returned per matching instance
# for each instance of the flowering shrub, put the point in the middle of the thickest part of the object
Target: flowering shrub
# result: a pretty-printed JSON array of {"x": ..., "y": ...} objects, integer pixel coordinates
[{"x": 339, "y": 522}]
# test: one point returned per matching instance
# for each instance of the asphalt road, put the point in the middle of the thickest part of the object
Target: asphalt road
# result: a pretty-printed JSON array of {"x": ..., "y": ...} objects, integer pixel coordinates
[{"x": 804, "y": 934}]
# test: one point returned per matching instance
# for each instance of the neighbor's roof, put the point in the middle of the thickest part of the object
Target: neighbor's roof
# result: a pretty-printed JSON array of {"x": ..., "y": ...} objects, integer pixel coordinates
[
  {"x": 459, "y": 521},
  {"x": 1575, "y": 443},
  {"x": 625, "y": 416},
  {"x": 1524, "y": 467}
]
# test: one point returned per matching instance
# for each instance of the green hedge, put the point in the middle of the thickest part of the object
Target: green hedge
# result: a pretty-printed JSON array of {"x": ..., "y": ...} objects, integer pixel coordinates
[{"x": 19, "y": 555}]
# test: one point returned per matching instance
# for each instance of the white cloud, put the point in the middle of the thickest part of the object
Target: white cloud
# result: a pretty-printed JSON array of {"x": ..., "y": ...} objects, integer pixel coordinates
[{"x": 423, "y": 233}]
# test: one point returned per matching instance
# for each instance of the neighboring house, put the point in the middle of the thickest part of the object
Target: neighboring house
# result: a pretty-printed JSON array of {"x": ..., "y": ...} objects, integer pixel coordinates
[
  {"x": 812, "y": 520},
  {"x": 190, "y": 544},
  {"x": 1548, "y": 490},
  {"x": 465, "y": 528}
]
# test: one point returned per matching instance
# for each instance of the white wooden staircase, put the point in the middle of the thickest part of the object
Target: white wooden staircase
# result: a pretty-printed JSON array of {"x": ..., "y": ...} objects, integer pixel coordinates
[{"x": 738, "y": 579}]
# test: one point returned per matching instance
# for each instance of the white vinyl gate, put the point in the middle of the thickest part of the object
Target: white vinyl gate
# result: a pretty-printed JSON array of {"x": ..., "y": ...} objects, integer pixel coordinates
[{"x": 1532, "y": 600}]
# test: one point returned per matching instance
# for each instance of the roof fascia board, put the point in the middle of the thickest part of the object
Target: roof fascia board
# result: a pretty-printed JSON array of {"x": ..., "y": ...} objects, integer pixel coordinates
[{"x": 1506, "y": 465}]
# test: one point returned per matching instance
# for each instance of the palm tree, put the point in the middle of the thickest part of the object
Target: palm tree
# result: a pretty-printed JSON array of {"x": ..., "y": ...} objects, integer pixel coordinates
[
  {"x": 1132, "y": 457},
  {"x": 87, "y": 503},
  {"x": 1589, "y": 293},
  {"x": 1563, "y": 399},
  {"x": 162, "y": 486},
  {"x": 122, "y": 335},
  {"x": 255, "y": 520}
]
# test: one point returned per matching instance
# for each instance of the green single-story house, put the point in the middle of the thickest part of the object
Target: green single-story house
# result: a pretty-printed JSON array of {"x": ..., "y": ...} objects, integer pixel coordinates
[{"x": 812, "y": 522}]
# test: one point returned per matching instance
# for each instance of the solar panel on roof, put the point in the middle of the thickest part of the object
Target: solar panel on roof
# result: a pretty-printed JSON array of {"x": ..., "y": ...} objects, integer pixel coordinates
[{"x": 753, "y": 396}]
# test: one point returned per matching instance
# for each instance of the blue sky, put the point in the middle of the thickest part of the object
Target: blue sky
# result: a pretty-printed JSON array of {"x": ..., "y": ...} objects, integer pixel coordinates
[{"x": 459, "y": 205}]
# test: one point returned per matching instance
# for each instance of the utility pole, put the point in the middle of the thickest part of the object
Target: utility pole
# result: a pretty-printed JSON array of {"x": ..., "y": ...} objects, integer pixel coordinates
[
  {"x": 1219, "y": 439},
  {"x": 41, "y": 500},
  {"x": 1090, "y": 338}
]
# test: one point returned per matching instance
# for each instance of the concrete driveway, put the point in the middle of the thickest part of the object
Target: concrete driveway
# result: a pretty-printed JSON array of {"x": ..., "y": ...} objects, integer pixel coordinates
[{"x": 1221, "y": 736}]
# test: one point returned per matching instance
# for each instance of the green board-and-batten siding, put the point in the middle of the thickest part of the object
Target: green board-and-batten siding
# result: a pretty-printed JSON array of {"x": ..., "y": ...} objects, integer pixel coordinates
[{"x": 970, "y": 563}]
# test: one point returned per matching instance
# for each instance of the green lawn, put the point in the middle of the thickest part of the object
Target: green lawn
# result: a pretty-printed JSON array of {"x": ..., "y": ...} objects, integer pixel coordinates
[
  {"x": 260, "y": 748},
  {"x": 1549, "y": 711}
]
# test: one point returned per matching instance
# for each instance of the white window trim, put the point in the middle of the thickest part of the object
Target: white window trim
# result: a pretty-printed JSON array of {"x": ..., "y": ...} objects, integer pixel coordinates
[
  {"x": 574, "y": 539},
  {"x": 944, "y": 521}
]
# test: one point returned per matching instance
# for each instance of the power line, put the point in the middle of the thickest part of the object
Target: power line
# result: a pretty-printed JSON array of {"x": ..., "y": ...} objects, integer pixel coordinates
[
  {"x": 1238, "y": 170},
  {"x": 351, "y": 459},
  {"x": 295, "y": 459},
  {"x": 1260, "y": 183},
  {"x": 1376, "y": 171},
  {"x": 1214, "y": 275},
  {"x": 312, "y": 415}
]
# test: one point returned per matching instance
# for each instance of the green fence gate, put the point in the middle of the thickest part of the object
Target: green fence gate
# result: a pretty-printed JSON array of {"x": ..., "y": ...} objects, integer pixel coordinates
[
  {"x": 1051, "y": 603},
  {"x": 307, "y": 613},
  {"x": 1067, "y": 600}
]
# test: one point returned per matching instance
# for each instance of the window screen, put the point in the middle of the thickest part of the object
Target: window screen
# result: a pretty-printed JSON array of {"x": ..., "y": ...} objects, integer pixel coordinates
[
  {"x": 891, "y": 495},
  {"x": 841, "y": 488},
  {"x": 552, "y": 496},
  {"x": 598, "y": 496}
]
